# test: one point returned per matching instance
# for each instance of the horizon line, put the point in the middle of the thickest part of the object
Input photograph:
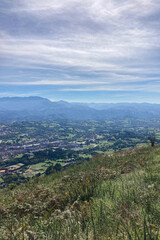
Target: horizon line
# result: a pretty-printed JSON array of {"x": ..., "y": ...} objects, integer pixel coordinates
[{"x": 83, "y": 102}]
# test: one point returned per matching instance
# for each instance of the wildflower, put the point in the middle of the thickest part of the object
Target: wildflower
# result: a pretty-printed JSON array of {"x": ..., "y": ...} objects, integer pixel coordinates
[
  {"x": 87, "y": 182},
  {"x": 80, "y": 188},
  {"x": 23, "y": 225},
  {"x": 109, "y": 238},
  {"x": 85, "y": 202}
]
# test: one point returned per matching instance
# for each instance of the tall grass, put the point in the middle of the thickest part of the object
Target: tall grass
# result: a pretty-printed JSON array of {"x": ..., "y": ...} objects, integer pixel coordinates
[{"x": 110, "y": 197}]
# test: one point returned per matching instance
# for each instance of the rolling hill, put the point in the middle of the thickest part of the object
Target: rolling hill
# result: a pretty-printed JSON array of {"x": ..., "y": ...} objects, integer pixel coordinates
[{"x": 39, "y": 109}]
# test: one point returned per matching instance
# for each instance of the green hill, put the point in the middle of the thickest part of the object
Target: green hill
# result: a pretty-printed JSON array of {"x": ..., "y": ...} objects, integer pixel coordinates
[{"x": 109, "y": 197}]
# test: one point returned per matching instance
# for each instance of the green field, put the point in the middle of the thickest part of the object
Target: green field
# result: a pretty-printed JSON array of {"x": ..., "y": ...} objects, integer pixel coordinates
[{"x": 1, "y": 180}]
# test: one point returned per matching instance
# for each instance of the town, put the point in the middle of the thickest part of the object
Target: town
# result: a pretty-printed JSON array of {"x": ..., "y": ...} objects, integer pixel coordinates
[{"x": 30, "y": 148}]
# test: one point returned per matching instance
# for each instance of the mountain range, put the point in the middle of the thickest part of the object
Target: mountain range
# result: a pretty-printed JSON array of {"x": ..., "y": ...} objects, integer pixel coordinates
[{"x": 38, "y": 108}]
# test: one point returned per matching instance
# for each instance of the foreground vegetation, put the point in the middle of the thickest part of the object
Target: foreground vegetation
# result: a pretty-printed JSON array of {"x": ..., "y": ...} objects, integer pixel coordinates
[{"x": 112, "y": 196}]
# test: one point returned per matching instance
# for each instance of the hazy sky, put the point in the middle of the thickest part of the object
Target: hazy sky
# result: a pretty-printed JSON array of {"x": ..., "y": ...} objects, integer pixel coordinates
[{"x": 92, "y": 50}]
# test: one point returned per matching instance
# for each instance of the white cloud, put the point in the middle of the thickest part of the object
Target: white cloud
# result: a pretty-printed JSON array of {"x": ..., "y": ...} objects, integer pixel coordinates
[
  {"x": 11, "y": 94},
  {"x": 53, "y": 82},
  {"x": 117, "y": 88},
  {"x": 119, "y": 39}
]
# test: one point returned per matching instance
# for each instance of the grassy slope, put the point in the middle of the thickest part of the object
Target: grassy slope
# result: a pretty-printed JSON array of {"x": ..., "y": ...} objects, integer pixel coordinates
[{"x": 109, "y": 197}]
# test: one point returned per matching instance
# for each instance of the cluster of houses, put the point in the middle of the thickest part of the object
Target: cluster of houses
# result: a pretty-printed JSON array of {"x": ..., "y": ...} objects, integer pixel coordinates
[
  {"x": 10, "y": 148},
  {"x": 29, "y": 147},
  {"x": 10, "y": 169},
  {"x": 13, "y": 148},
  {"x": 23, "y": 148},
  {"x": 4, "y": 130}
]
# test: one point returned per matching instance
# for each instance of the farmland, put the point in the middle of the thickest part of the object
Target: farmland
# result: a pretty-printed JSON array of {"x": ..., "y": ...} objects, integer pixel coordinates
[{"x": 28, "y": 149}]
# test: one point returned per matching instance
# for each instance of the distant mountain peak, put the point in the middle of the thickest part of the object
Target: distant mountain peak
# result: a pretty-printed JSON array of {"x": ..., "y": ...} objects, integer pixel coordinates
[{"x": 62, "y": 101}]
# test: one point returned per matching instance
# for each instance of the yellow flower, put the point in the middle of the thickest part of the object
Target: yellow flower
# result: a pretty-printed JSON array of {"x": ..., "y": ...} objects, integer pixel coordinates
[
  {"x": 85, "y": 201},
  {"x": 109, "y": 238},
  {"x": 23, "y": 225}
]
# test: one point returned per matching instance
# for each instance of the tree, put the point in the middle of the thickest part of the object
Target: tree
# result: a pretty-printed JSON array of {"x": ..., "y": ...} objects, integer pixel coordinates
[
  {"x": 52, "y": 169},
  {"x": 152, "y": 139},
  {"x": 49, "y": 170},
  {"x": 57, "y": 167}
]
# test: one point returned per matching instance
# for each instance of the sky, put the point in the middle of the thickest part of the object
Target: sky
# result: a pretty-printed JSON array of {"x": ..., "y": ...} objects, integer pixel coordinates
[{"x": 81, "y": 51}]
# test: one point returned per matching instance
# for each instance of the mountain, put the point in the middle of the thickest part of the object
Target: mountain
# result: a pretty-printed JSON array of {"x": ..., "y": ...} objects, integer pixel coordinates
[
  {"x": 23, "y": 103},
  {"x": 37, "y": 108}
]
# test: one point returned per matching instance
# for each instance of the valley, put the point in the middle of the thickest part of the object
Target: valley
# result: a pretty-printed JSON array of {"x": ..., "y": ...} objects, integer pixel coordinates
[{"x": 30, "y": 148}]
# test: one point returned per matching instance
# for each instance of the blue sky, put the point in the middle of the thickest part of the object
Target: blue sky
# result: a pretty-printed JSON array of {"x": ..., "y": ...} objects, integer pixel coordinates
[{"x": 86, "y": 51}]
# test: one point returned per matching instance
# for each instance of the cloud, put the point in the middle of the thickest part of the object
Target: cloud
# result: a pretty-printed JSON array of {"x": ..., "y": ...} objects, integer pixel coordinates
[
  {"x": 118, "y": 88},
  {"x": 11, "y": 94},
  {"x": 97, "y": 43},
  {"x": 53, "y": 82}
]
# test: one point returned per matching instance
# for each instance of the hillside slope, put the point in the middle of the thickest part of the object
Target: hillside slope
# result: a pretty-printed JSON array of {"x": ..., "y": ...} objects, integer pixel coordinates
[{"x": 109, "y": 197}]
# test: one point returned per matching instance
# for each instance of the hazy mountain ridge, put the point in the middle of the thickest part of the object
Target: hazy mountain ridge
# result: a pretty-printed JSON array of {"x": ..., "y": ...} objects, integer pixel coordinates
[{"x": 37, "y": 108}]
